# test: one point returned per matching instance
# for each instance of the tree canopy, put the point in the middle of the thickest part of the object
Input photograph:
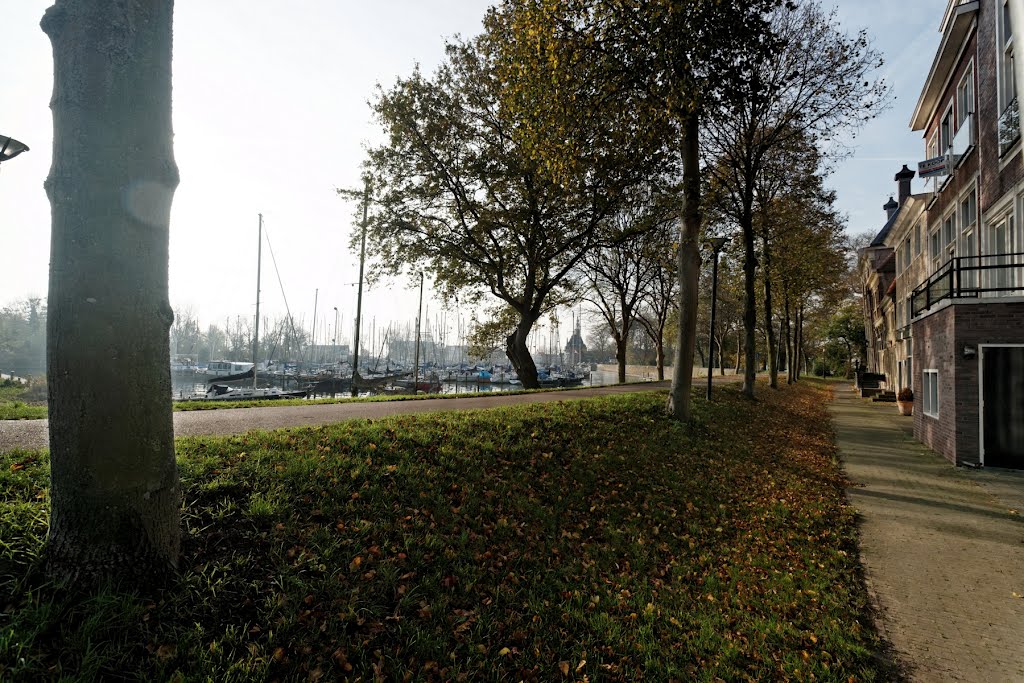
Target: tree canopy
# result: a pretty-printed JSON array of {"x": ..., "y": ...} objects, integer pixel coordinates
[{"x": 460, "y": 191}]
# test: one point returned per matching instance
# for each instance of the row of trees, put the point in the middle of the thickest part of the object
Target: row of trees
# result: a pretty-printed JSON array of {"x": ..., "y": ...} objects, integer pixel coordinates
[
  {"x": 501, "y": 175},
  {"x": 577, "y": 147}
]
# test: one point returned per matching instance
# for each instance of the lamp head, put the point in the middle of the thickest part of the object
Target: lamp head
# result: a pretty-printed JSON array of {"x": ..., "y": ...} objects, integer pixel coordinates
[
  {"x": 10, "y": 148},
  {"x": 717, "y": 243}
]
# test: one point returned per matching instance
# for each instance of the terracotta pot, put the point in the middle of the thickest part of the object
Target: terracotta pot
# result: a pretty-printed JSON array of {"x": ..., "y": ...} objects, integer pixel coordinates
[{"x": 905, "y": 407}]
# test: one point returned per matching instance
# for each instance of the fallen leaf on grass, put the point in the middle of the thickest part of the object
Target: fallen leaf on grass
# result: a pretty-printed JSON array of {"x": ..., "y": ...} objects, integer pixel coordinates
[
  {"x": 167, "y": 651},
  {"x": 564, "y": 668}
]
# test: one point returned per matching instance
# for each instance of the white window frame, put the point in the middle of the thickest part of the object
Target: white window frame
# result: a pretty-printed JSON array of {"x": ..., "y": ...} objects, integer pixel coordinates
[
  {"x": 965, "y": 97},
  {"x": 948, "y": 235},
  {"x": 947, "y": 130},
  {"x": 929, "y": 406},
  {"x": 1006, "y": 87}
]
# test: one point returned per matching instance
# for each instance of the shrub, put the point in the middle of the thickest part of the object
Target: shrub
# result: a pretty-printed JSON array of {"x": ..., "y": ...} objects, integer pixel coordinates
[{"x": 906, "y": 394}]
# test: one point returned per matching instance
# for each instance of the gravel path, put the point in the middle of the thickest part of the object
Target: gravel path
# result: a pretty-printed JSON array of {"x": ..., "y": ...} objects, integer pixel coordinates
[
  {"x": 942, "y": 548},
  {"x": 32, "y": 434}
]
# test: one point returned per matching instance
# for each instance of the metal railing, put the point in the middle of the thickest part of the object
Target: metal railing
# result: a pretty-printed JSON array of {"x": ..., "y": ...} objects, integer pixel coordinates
[
  {"x": 970, "y": 277},
  {"x": 1009, "y": 127}
]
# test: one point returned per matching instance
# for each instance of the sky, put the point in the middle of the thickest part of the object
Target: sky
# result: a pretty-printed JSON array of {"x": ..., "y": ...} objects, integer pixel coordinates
[{"x": 270, "y": 116}]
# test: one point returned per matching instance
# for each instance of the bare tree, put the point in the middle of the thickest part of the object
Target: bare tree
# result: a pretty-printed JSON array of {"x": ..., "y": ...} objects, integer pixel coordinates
[{"x": 115, "y": 495}]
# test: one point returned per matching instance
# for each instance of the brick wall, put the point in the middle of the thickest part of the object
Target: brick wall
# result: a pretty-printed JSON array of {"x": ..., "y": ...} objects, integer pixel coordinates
[
  {"x": 994, "y": 182},
  {"x": 939, "y": 340},
  {"x": 934, "y": 338}
]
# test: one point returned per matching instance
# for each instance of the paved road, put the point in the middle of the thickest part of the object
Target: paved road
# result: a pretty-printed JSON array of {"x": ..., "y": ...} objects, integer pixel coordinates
[
  {"x": 943, "y": 548},
  {"x": 32, "y": 434}
]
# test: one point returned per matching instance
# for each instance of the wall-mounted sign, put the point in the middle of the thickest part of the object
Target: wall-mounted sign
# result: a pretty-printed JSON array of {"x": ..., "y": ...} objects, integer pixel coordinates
[{"x": 936, "y": 166}]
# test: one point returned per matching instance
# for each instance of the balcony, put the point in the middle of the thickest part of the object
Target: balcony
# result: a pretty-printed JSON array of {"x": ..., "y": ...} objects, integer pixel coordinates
[
  {"x": 1009, "y": 127},
  {"x": 970, "y": 277}
]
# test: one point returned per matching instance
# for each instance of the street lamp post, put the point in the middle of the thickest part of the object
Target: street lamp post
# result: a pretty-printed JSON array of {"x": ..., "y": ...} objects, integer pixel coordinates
[
  {"x": 716, "y": 246},
  {"x": 10, "y": 148}
]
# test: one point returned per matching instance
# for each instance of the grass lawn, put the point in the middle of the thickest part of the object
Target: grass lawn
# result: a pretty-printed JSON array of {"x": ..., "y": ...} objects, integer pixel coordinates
[
  {"x": 13, "y": 409},
  {"x": 14, "y": 404},
  {"x": 588, "y": 540}
]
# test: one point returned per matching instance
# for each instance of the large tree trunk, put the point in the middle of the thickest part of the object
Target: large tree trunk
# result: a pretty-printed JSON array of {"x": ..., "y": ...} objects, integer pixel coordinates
[
  {"x": 519, "y": 355},
  {"x": 749, "y": 300},
  {"x": 114, "y": 493},
  {"x": 659, "y": 348},
  {"x": 773, "y": 364},
  {"x": 788, "y": 334},
  {"x": 689, "y": 271},
  {"x": 798, "y": 345},
  {"x": 621, "y": 342}
]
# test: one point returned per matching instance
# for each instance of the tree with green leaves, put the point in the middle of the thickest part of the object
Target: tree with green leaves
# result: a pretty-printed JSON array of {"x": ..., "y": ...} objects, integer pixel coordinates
[
  {"x": 658, "y": 300},
  {"x": 461, "y": 190},
  {"x": 115, "y": 496},
  {"x": 677, "y": 60},
  {"x": 846, "y": 328},
  {"x": 817, "y": 85},
  {"x": 619, "y": 276}
]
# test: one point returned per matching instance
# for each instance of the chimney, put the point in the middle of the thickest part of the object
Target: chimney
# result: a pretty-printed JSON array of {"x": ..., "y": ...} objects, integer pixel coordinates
[
  {"x": 903, "y": 179},
  {"x": 890, "y": 208}
]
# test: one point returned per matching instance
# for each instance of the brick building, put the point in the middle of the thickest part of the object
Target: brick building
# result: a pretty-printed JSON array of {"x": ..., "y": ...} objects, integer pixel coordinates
[{"x": 944, "y": 278}]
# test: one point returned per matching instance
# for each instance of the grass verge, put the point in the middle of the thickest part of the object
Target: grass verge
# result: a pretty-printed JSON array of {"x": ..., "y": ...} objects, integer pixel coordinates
[
  {"x": 11, "y": 409},
  {"x": 589, "y": 540},
  {"x": 15, "y": 405}
]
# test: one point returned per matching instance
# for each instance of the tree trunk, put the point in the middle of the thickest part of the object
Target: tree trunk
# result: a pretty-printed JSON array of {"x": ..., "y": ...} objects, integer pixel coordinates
[
  {"x": 788, "y": 334},
  {"x": 749, "y": 295},
  {"x": 721, "y": 356},
  {"x": 703, "y": 356},
  {"x": 519, "y": 355},
  {"x": 739, "y": 346},
  {"x": 659, "y": 348},
  {"x": 773, "y": 364},
  {"x": 620, "y": 356},
  {"x": 114, "y": 493},
  {"x": 798, "y": 345},
  {"x": 689, "y": 270}
]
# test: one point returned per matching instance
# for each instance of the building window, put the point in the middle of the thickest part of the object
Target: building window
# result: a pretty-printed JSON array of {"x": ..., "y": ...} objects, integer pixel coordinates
[
  {"x": 965, "y": 98},
  {"x": 936, "y": 250},
  {"x": 946, "y": 130},
  {"x": 949, "y": 229},
  {"x": 917, "y": 240},
  {"x": 1009, "y": 119},
  {"x": 999, "y": 238},
  {"x": 930, "y": 393}
]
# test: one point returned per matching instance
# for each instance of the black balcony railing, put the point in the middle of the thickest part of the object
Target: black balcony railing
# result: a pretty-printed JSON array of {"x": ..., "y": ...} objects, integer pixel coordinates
[
  {"x": 1009, "y": 127},
  {"x": 970, "y": 277}
]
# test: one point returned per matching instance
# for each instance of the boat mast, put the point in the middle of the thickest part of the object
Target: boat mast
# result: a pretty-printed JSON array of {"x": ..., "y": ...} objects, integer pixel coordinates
[
  {"x": 256, "y": 336},
  {"x": 359, "y": 297},
  {"x": 312, "y": 354},
  {"x": 416, "y": 362}
]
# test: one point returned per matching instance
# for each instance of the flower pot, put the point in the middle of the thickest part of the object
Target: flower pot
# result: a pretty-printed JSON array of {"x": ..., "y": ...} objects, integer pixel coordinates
[{"x": 905, "y": 407}]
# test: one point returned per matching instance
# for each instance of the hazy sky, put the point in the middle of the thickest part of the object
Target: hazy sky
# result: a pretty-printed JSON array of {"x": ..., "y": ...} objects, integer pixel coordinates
[{"x": 270, "y": 115}]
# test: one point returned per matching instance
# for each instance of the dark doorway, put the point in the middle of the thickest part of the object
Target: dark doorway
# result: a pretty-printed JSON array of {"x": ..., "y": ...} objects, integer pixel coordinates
[{"x": 1003, "y": 406}]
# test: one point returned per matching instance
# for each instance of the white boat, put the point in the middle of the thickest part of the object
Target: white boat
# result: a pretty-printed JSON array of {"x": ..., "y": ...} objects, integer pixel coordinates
[
  {"x": 222, "y": 368},
  {"x": 220, "y": 392}
]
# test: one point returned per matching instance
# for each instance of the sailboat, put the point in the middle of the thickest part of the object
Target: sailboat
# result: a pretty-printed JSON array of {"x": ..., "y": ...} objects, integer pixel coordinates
[{"x": 222, "y": 392}]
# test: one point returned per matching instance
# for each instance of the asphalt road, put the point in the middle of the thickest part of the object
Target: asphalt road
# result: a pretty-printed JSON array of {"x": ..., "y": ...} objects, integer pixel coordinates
[{"x": 33, "y": 434}]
